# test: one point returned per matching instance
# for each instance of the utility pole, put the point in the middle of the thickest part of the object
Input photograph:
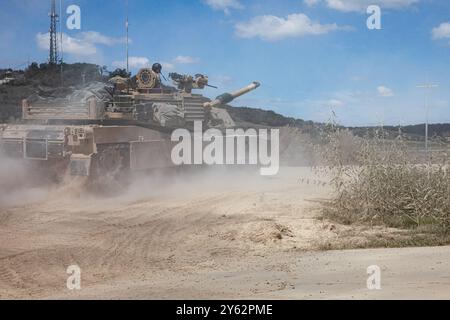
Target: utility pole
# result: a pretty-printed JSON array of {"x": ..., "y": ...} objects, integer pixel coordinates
[
  {"x": 429, "y": 87},
  {"x": 53, "y": 58},
  {"x": 332, "y": 116}
]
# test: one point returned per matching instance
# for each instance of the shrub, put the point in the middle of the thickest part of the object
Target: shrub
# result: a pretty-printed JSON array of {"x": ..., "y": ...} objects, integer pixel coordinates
[{"x": 386, "y": 181}]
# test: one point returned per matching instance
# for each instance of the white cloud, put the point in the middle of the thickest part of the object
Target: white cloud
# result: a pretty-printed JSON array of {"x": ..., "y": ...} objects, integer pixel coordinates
[
  {"x": 134, "y": 63},
  {"x": 168, "y": 66},
  {"x": 442, "y": 32},
  {"x": 185, "y": 60},
  {"x": 361, "y": 5},
  {"x": 385, "y": 91},
  {"x": 144, "y": 62},
  {"x": 82, "y": 45},
  {"x": 224, "y": 5},
  {"x": 273, "y": 28},
  {"x": 98, "y": 38},
  {"x": 311, "y": 2},
  {"x": 70, "y": 45}
]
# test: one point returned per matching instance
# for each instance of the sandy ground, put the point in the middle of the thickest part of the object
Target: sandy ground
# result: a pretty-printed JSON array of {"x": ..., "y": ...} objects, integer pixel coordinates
[{"x": 210, "y": 235}]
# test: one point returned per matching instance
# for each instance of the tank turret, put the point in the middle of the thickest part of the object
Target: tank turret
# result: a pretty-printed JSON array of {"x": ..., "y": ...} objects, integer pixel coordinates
[{"x": 148, "y": 99}]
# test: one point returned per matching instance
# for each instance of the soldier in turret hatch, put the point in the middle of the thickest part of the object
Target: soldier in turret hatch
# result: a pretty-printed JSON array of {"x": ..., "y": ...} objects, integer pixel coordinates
[{"x": 157, "y": 69}]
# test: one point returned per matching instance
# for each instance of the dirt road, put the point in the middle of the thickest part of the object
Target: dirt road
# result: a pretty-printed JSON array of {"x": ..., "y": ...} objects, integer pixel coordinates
[{"x": 210, "y": 235}]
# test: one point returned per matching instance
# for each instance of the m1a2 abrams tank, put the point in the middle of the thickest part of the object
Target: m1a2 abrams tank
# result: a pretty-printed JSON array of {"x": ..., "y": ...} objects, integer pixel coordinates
[{"x": 106, "y": 131}]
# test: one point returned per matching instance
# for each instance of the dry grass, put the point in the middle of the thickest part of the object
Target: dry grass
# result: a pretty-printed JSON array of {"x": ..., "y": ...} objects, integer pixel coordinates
[{"x": 381, "y": 181}]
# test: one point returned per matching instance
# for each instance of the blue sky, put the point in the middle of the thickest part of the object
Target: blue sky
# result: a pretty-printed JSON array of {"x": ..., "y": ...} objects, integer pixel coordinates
[{"x": 311, "y": 56}]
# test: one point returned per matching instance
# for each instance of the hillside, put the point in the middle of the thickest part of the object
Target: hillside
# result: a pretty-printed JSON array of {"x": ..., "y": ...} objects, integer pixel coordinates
[{"x": 41, "y": 77}]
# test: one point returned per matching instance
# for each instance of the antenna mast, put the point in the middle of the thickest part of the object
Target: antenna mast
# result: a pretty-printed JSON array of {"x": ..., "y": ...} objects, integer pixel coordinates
[
  {"x": 127, "y": 26},
  {"x": 53, "y": 58},
  {"x": 61, "y": 41}
]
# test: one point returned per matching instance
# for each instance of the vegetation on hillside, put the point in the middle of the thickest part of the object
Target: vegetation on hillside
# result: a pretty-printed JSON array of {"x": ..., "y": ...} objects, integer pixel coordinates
[{"x": 43, "y": 76}]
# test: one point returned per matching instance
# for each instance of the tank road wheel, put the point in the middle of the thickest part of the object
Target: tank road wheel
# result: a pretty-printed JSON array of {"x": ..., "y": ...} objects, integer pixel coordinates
[{"x": 110, "y": 166}]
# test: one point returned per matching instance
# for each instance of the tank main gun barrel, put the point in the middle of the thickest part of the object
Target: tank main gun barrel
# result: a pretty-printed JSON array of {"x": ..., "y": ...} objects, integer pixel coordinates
[{"x": 228, "y": 97}]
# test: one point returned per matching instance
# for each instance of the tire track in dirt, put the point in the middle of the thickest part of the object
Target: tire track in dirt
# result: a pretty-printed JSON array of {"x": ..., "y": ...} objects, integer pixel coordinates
[{"x": 115, "y": 240}]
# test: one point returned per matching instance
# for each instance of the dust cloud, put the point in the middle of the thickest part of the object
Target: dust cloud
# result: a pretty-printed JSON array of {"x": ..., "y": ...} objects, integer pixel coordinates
[
  {"x": 19, "y": 183},
  {"x": 24, "y": 183}
]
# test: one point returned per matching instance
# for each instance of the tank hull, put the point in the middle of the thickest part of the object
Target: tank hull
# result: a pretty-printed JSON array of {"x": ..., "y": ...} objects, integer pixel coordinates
[{"x": 88, "y": 150}]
